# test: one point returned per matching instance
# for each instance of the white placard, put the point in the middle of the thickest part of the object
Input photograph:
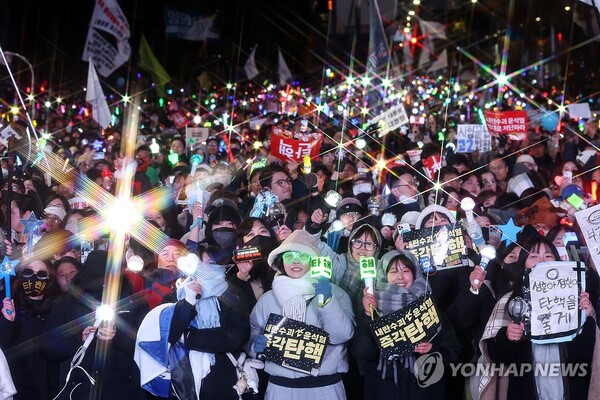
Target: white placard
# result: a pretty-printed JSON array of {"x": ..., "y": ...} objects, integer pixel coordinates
[
  {"x": 581, "y": 110},
  {"x": 471, "y": 137},
  {"x": 194, "y": 136},
  {"x": 589, "y": 223},
  {"x": 554, "y": 289},
  {"x": 392, "y": 119}
]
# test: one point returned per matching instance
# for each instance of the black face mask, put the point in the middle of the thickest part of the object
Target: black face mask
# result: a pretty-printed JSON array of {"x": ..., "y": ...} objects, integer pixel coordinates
[
  {"x": 510, "y": 271},
  {"x": 224, "y": 237},
  {"x": 34, "y": 286},
  {"x": 266, "y": 244},
  {"x": 486, "y": 233}
]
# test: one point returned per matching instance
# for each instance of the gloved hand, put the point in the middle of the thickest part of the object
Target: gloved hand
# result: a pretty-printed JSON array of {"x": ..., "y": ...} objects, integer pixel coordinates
[
  {"x": 260, "y": 344},
  {"x": 192, "y": 290},
  {"x": 323, "y": 286}
]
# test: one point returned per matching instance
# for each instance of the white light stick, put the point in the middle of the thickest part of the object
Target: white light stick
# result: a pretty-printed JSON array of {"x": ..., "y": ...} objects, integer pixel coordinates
[
  {"x": 188, "y": 264},
  {"x": 104, "y": 313},
  {"x": 467, "y": 204},
  {"x": 368, "y": 272},
  {"x": 135, "y": 263},
  {"x": 487, "y": 253}
]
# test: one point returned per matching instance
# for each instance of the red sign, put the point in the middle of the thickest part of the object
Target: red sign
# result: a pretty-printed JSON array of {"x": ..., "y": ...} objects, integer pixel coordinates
[
  {"x": 179, "y": 119},
  {"x": 432, "y": 165},
  {"x": 287, "y": 145},
  {"x": 506, "y": 122}
]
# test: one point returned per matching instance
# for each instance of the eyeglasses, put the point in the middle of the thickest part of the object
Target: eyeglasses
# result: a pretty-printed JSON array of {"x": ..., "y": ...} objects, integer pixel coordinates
[
  {"x": 28, "y": 273},
  {"x": 290, "y": 256},
  {"x": 283, "y": 182},
  {"x": 413, "y": 183},
  {"x": 357, "y": 244}
]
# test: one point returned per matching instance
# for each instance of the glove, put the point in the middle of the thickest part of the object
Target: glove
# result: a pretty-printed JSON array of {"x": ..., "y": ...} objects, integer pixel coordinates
[
  {"x": 260, "y": 344},
  {"x": 323, "y": 286},
  {"x": 190, "y": 294}
]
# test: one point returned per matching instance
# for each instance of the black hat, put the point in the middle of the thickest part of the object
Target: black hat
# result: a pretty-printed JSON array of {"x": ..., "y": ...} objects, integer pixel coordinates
[{"x": 349, "y": 204}]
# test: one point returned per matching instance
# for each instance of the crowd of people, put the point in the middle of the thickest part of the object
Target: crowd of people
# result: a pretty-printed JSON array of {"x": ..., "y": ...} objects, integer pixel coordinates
[{"x": 178, "y": 334}]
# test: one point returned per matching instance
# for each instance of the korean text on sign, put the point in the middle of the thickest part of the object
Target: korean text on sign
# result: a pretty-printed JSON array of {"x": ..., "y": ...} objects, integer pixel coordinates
[
  {"x": 398, "y": 333},
  {"x": 294, "y": 344}
]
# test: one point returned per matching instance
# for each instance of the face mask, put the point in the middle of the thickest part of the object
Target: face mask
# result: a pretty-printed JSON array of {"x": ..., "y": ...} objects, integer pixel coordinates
[
  {"x": 224, "y": 237},
  {"x": 510, "y": 270},
  {"x": 72, "y": 227},
  {"x": 362, "y": 188},
  {"x": 34, "y": 285},
  {"x": 266, "y": 244}
]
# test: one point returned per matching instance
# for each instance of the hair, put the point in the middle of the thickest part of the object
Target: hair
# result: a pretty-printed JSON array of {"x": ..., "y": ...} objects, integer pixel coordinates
[
  {"x": 507, "y": 201},
  {"x": 266, "y": 176},
  {"x": 501, "y": 284},
  {"x": 63, "y": 200},
  {"x": 277, "y": 264},
  {"x": 531, "y": 244},
  {"x": 370, "y": 232},
  {"x": 404, "y": 260},
  {"x": 256, "y": 171},
  {"x": 246, "y": 226},
  {"x": 448, "y": 170},
  {"x": 459, "y": 159},
  {"x": 28, "y": 202},
  {"x": 393, "y": 176},
  {"x": 483, "y": 196}
]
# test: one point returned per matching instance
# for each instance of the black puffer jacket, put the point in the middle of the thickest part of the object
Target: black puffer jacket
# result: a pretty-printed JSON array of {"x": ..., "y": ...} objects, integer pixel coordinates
[{"x": 110, "y": 363}]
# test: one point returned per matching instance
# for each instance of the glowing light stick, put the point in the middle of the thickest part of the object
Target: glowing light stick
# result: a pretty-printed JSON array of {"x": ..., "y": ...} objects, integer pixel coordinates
[
  {"x": 104, "y": 313},
  {"x": 135, "y": 263},
  {"x": 576, "y": 201},
  {"x": 188, "y": 264},
  {"x": 518, "y": 308},
  {"x": 154, "y": 147},
  {"x": 8, "y": 269},
  {"x": 368, "y": 272},
  {"x": 106, "y": 179},
  {"x": 307, "y": 164},
  {"x": 467, "y": 204},
  {"x": 196, "y": 160},
  {"x": 487, "y": 253},
  {"x": 320, "y": 267}
]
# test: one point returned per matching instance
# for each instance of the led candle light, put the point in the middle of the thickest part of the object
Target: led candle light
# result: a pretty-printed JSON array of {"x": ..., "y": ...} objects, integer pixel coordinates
[
  {"x": 321, "y": 267},
  {"x": 307, "y": 164},
  {"x": 473, "y": 228},
  {"x": 104, "y": 313},
  {"x": 368, "y": 272}
]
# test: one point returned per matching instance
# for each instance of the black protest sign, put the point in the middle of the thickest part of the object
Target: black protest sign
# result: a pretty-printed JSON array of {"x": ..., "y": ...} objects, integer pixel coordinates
[
  {"x": 443, "y": 247},
  {"x": 398, "y": 333},
  {"x": 294, "y": 344}
]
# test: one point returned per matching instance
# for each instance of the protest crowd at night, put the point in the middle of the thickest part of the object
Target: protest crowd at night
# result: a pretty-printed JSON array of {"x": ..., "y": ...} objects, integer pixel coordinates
[{"x": 381, "y": 232}]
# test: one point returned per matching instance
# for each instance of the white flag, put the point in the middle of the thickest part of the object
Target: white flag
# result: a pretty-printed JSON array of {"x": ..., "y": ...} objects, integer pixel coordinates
[
  {"x": 283, "y": 70},
  {"x": 108, "y": 18},
  {"x": 432, "y": 30},
  {"x": 250, "y": 67},
  {"x": 440, "y": 62},
  {"x": 95, "y": 97}
]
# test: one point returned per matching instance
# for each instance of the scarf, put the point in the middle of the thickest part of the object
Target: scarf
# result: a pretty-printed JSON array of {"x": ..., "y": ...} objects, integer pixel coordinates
[
  {"x": 293, "y": 294},
  {"x": 391, "y": 298}
]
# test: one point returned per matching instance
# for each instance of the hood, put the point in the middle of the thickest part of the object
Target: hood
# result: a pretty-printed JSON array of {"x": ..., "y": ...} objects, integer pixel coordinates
[{"x": 378, "y": 238}]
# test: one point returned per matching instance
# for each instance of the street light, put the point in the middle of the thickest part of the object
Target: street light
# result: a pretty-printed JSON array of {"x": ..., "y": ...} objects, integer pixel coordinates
[{"x": 6, "y": 59}]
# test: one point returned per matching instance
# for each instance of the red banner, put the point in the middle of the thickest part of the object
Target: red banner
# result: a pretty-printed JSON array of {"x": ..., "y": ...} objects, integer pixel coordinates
[
  {"x": 287, "y": 145},
  {"x": 506, "y": 122}
]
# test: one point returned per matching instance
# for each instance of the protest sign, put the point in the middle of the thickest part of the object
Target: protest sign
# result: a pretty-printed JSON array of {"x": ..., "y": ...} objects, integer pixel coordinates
[
  {"x": 535, "y": 117},
  {"x": 294, "y": 344},
  {"x": 195, "y": 136},
  {"x": 188, "y": 24},
  {"x": 78, "y": 203},
  {"x": 398, "y": 333},
  {"x": 390, "y": 120},
  {"x": 287, "y": 145},
  {"x": 444, "y": 245},
  {"x": 506, "y": 122},
  {"x": 589, "y": 223},
  {"x": 471, "y": 137},
  {"x": 554, "y": 288},
  {"x": 581, "y": 110}
]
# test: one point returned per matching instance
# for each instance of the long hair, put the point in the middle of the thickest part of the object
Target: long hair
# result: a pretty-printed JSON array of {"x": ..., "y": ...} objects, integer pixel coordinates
[
  {"x": 529, "y": 246},
  {"x": 52, "y": 288}
]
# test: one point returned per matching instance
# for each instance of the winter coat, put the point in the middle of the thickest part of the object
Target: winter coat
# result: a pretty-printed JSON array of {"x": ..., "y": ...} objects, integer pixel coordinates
[{"x": 22, "y": 341}]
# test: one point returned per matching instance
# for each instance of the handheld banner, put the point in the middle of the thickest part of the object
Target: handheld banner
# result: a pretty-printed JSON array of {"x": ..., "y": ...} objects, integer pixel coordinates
[
  {"x": 506, "y": 122},
  {"x": 470, "y": 138},
  {"x": 320, "y": 266},
  {"x": 554, "y": 289},
  {"x": 443, "y": 246},
  {"x": 589, "y": 223},
  {"x": 398, "y": 333},
  {"x": 286, "y": 145},
  {"x": 294, "y": 344}
]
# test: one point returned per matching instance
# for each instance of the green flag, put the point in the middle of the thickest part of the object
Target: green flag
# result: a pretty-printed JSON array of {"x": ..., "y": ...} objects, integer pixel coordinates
[{"x": 149, "y": 63}]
